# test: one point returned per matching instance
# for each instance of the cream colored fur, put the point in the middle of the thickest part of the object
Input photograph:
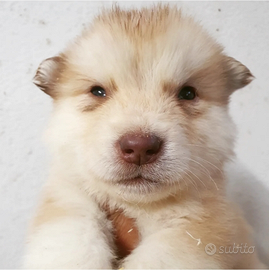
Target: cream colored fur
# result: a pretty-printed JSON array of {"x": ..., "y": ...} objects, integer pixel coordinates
[{"x": 141, "y": 58}]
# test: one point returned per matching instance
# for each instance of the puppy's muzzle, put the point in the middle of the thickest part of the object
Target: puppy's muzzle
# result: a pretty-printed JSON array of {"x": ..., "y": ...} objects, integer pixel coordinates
[{"x": 140, "y": 148}]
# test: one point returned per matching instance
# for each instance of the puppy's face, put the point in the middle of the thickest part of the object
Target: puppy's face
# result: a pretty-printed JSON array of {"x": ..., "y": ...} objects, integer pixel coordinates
[{"x": 141, "y": 104}]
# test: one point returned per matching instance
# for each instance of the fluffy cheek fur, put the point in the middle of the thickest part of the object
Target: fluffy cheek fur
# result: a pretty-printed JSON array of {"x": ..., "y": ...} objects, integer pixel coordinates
[{"x": 86, "y": 142}]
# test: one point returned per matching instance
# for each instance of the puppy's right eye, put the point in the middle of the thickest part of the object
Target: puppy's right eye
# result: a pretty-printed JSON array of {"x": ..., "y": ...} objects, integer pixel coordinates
[{"x": 98, "y": 91}]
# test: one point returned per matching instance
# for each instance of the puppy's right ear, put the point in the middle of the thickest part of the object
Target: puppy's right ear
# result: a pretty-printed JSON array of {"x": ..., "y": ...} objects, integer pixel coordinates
[{"x": 48, "y": 74}]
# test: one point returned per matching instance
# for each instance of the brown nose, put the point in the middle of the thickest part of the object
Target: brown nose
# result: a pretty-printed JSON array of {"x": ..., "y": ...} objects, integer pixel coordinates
[{"x": 140, "y": 149}]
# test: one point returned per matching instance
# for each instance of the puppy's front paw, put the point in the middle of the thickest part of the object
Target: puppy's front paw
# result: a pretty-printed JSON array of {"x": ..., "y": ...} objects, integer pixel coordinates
[
  {"x": 140, "y": 262},
  {"x": 145, "y": 258}
]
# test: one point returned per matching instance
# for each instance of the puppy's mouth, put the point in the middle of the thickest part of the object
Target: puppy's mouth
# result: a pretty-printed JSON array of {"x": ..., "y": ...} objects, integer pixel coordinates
[{"x": 137, "y": 181}]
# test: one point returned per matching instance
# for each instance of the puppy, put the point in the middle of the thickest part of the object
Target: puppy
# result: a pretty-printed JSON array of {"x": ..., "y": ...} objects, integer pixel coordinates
[{"x": 139, "y": 136}]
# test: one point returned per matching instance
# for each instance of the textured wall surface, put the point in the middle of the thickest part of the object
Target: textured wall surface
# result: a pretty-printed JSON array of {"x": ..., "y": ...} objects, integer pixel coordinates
[{"x": 33, "y": 31}]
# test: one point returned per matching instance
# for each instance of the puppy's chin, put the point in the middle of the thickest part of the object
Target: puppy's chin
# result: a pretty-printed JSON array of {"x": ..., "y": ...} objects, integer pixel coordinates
[
  {"x": 139, "y": 189},
  {"x": 139, "y": 185},
  {"x": 144, "y": 191}
]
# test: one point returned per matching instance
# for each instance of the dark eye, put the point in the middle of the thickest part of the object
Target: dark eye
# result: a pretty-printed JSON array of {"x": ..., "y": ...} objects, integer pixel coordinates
[
  {"x": 187, "y": 92},
  {"x": 98, "y": 91}
]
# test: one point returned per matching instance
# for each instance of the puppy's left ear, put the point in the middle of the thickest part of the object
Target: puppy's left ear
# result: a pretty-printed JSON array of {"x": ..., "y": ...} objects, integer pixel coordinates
[{"x": 238, "y": 75}]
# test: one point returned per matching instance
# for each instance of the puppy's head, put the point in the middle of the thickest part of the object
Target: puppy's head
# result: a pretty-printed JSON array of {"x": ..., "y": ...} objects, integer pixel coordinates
[{"x": 140, "y": 104}]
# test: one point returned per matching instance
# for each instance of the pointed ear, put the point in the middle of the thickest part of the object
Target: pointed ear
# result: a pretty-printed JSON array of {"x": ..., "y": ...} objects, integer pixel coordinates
[
  {"x": 48, "y": 74},
  {"x": 238, "y": 75}
]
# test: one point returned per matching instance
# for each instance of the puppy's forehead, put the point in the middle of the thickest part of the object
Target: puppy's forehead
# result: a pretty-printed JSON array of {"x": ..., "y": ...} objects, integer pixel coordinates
[{"x": 135, "y": 47}]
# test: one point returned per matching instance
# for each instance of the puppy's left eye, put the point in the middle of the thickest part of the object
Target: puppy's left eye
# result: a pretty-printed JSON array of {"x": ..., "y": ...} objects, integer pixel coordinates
[
  {"x": 98, "y": 91},
  {"x": 187, "y": 92}
]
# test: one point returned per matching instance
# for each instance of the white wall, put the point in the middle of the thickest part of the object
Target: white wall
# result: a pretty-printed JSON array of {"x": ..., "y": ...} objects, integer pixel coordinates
[{"x": 33, "y": 31}]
